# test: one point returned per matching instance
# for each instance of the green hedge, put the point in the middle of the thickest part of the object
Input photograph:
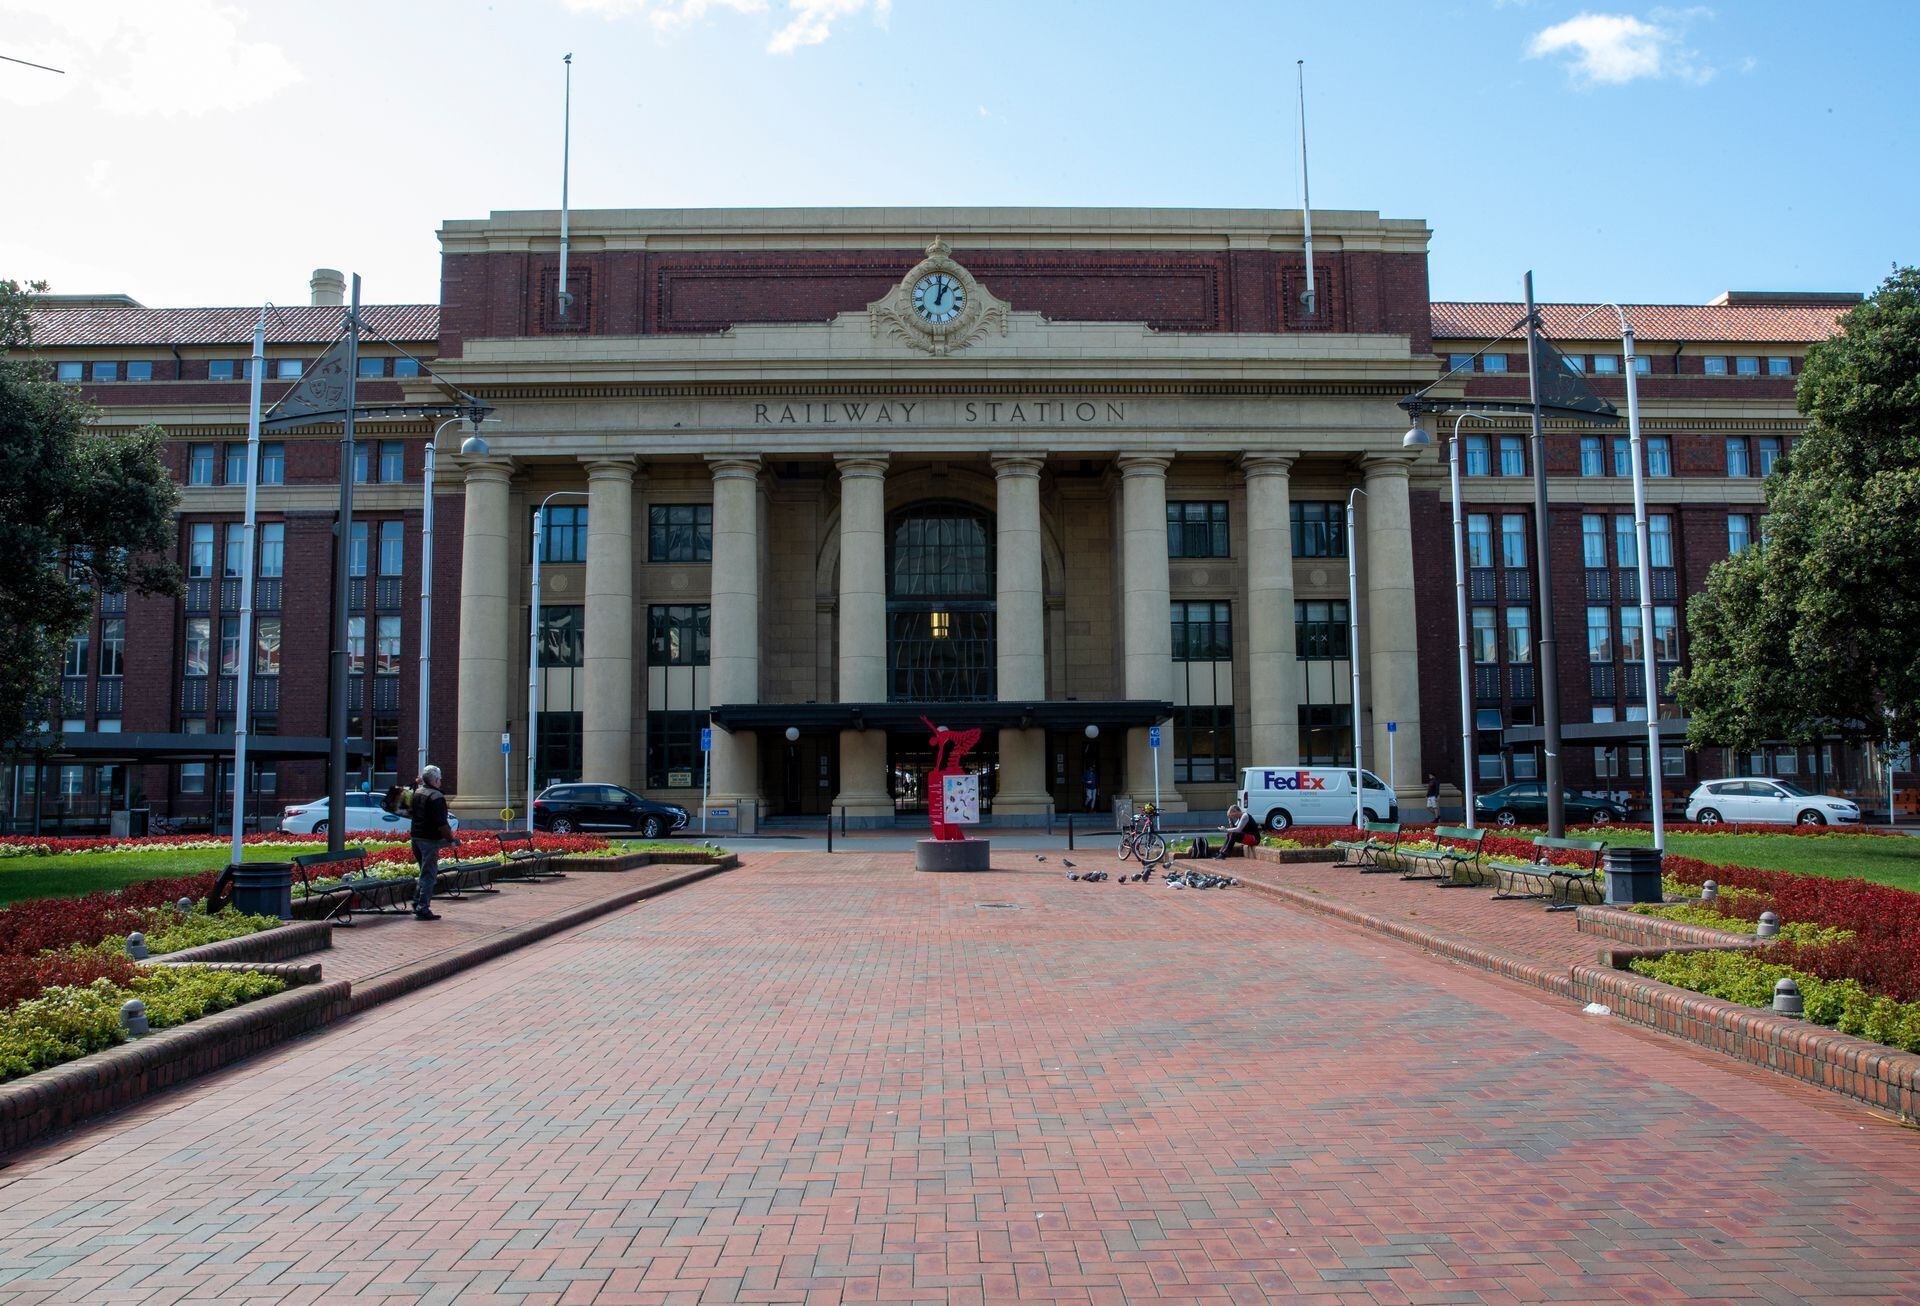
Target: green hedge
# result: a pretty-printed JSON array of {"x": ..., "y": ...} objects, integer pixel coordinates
[
  {"x": 1693, "y": 914},
  {"x": 64, "y": 1023},
  {"x": 1748, "y": 979}
]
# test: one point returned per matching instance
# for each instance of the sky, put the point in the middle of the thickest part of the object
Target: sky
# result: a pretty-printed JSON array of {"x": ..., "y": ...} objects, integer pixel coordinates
[{"x": 201, "y": 152}]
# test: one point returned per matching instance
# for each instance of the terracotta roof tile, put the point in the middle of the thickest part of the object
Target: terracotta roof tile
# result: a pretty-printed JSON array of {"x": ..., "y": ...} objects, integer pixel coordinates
[
  {"x": 303, "y": 324},
  {"x": 1755, "y": 323}
]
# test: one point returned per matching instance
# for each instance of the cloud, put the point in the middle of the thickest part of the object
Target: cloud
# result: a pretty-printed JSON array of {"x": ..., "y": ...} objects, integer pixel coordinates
[
  {"x": 1614, "y": 49},
  {"x": 809, "y": 22},
  {"x": 140, "y": 59}
]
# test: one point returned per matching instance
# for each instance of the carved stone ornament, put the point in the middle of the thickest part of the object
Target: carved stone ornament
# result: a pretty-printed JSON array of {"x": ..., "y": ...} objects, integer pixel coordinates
[{"x": 897, "y": 315}]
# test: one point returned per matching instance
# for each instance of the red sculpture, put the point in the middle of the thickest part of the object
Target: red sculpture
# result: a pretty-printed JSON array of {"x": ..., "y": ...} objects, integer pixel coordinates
[{"x": 949, "y": 746}]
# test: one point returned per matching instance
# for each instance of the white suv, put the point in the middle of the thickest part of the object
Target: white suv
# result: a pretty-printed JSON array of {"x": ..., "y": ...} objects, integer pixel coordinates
[{"x": 1757, "y": 798}]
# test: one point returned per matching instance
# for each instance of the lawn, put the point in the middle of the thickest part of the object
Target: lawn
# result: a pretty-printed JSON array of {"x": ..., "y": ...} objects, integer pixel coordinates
[
  {"x": 1892, "y": 861},
  {"x": 67, "y": 875}
]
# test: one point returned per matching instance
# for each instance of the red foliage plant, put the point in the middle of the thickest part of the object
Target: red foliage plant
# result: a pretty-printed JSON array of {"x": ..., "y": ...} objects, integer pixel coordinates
[
  {"x": 25, "y": 977},
  {"x": 43, "y": 924}
]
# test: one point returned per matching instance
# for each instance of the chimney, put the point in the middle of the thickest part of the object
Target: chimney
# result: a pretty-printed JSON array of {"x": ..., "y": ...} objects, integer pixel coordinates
[{"x": 328, "y": 286}]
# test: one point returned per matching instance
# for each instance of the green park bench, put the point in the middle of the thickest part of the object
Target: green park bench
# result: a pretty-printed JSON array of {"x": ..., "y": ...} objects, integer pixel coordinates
[
  {"x": 1445, "y": 863},
  {"x": 1543, "y": 876},
  {"x": 1378, "y": 837}
]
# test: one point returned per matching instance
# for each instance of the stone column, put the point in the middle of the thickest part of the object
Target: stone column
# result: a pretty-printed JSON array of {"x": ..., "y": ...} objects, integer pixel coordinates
[
  {"x": 1020, "y": 634},
  {"x": 607, "y": 715},
  {"x": 488, "y": 647},
  {"x": 733, "y": 674},
  {"x": 1273, "y": 676},
  {"x": 863, "y": 792},
  {"x": 1392, "y": 646},
  {"x": 1146, "y": 616}
]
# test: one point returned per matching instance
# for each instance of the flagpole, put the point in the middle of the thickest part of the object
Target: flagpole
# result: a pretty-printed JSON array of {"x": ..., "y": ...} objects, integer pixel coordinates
[
  {"x": 243, "y": 686},
  {"x": 1306, "y": 201},
  {"x": 1548, "y": 645},
  {"x": 566, "y": 149},
  {"x": 342, "y": 593}
]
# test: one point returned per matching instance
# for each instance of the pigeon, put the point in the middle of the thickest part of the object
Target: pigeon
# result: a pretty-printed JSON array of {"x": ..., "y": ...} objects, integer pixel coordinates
[
  {"x": 1065, "y": 862},
  {"x": 1039, "y": 857},
  {"x": 1073, "y": 875}
]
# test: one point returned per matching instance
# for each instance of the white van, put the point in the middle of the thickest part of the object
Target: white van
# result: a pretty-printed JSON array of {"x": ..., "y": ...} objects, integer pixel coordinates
[{"x": 1311, "y": 795}]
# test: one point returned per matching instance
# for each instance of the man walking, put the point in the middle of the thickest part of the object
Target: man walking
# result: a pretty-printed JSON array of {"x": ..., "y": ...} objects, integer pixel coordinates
[
  {"x": 1433, "y": 797},
  {"x": 429, "y": 809}
]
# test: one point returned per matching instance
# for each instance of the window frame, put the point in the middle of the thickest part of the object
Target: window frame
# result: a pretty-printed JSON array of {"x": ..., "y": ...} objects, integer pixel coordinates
[
  {"x": 1207, "y": 529},
  {"x": 662, "y": 526}
]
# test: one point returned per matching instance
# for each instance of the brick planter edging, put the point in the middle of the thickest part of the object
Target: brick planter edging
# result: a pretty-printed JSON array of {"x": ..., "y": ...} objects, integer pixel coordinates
[
  {"x": 62, "y": 1096},
  {"x": 1656, "y": 931},
  {"x": 293, "y": 939}
]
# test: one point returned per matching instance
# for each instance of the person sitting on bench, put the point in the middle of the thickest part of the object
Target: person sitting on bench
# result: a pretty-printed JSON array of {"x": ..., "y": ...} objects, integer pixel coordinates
[{"x": 1241, "y": 833}]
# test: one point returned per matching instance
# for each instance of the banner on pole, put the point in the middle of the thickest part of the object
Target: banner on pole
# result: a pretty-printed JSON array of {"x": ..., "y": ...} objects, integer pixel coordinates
[
  {"x": 324, "y": 392},
  {"x": 1563, "y": 389}
]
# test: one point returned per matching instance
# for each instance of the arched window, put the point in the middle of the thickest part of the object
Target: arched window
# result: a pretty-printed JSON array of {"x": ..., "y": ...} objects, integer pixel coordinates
[{"x": 940, "y": 592}]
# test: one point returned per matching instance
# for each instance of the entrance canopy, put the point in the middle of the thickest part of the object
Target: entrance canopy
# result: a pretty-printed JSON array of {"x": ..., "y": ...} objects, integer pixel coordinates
[{"x": 1064, "y": 715}]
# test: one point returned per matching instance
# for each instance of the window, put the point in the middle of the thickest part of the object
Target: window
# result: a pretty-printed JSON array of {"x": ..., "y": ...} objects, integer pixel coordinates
[
  {"x": 1202, "y": 632},
  {"x": 386, "y": 646},
  {"x": 1203, "y": 743},
  {"x": 106, "y": 371},
  {"x": 1526, "y": 765},
  {"x": 1577, "y": 362},
  {"x": 1622, "y": 456},
  {"x": 273, "y": 463},
  {"x": 680, "y": 532},
  {"x": 1519, "y": 635},
  {"x": 273, "y": 548},
  {"x": 229, "y": 646},
  {"x": 193, "y": 777},
  {"x": 1196, "y": 530},
  {"x": 1487, "y": 718},
  {"x": 113, "y": 645},
  {"x": 1513, "y": 456},
  {"x": 223, "y": 369},
  {"x": 561, "y": 748},
  {"x": 392, "y": 548},
  {"x": 1606, "y": 365},
  {"x": 200, "y": 464},
  {"x": 1738, "y": 463},
  {"x": 1513, "y": 540},
  {"x": 287, "y": 369},
  {"x": 266, "y": 646},
  {"x": 357, "y": 550},
  {"x": 1591, "y": 463},
  {"x": 73, "y": 373},
  {"x": 144, "y": 371},
  {"x": 356, "y": 645},
  {"x": 1593, "y": 539},
  {"x": 678, "y": 635},
  {"x": 1659, "y": 539},
  {"x": 236, "y": 473},
  {"x": 74, "y": 661},
  {"x": 1739, "y": 532},
  {"x": 1775, "y": 367},
  {"x": 1479, "y": 539},
  {"x": 1642, "y": 365},
  {"x": 1769, "y": 453},
  {"x": 393, "y": 462},
  {"x": 1493, "y": 767},
  {"x": 359, "y": 463},
  {"x": 373, "y": 366},
  {"x": 1459, "y": 362},
  {"x": 1659, "y": 455},
  {"x": 1479, "y": 457},
  {"x": 1666, "y": 634},
  {"x": 563, "y": 635},
  {"x": 1326, "y": 733},
  {"x": 199, "y": 645},
  {"x": 1599, "y": 636},
  {"x": 1673, "y": 761},
  {"x": 1320, "y": 631},
  {"x": 1625, "y": 547},
  {"x": 1747, "y": 365},
  {"x": 673, "y": 749},
  {"x": 1715, "y": 365},
  {"x": 234, "y": 555},
  {"x": 1495, "y": 363},
  {"x": 1319, "y": 529},
  {"x": 1630, "y": 647},
  {"x": 406, "y": 367},
  {"x": 1605, "y": 712},
  {"x": 1486, "y": 637},
  {"x": 200, "y": 551}
]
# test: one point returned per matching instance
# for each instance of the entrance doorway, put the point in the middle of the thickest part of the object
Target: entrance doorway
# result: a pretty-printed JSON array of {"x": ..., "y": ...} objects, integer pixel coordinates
[
  {"x": 801, "y": 776},
  {"x": 1070, "y": 753},
  {"x": 910, "y": 759}
]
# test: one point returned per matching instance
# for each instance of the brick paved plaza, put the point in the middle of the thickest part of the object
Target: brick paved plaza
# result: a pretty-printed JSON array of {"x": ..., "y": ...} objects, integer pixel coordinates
[{"x": 828, "y": 1078}]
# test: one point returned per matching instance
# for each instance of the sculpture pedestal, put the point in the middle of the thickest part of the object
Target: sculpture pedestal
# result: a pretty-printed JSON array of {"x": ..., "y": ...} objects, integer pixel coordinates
[{"x": 952, "y": 854}]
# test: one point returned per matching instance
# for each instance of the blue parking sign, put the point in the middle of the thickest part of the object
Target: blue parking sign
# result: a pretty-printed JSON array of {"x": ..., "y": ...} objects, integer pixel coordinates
[
  {"x": 706, "y": 739},
  {"x": 1153, "y": 736},
  {"x": 1393, "y": 727}
]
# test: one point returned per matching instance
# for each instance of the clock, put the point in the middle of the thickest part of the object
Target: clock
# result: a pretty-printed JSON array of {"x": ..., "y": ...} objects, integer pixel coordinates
[{"x": 938, "y": 298}]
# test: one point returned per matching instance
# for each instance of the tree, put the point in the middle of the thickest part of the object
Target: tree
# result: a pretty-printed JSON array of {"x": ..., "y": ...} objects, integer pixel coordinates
[
  {"x": 81, "y": 509},
  {"x": 1816, "y": 633}
]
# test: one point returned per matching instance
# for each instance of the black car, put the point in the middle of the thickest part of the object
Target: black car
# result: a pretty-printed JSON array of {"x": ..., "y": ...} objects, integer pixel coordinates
[
  {"x": 1526, "y": 804},
  {"x": 579, "y": 808}
]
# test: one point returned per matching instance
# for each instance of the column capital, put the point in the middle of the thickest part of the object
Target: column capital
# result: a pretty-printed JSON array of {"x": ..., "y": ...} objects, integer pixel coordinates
[
  {"x": 611, "y": 467},
  {"x": 487, "y": 467},
  {"x": 734, "y": 466},
  {"x": 861, "y": 464},
  {"x": 1377, "y": 465},
  {"x": 1143, "y": 464},
  {"x": 1018, "y": 464},
  {"x": 1266, "y": 464}
]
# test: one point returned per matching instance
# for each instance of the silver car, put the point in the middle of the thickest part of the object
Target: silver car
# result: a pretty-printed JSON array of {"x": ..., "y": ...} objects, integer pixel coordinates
[
  {"x": 364, "y": 816},
  {"x": 1759, "y": 799}
]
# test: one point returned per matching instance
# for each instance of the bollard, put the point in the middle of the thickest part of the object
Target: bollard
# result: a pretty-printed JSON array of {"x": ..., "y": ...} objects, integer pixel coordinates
[
  {"x": 133, "y": 1017},
  {"x": 1769, "y": 925},
  {"x": 1709, "y": 891},
  {"x": 830, "y": 830},
  {"x": 184, "y": 906},
  {"x": 1069, "y": 831},
  {"x": 137, "y": 946},
  {"x": 1786, "y": 998}
]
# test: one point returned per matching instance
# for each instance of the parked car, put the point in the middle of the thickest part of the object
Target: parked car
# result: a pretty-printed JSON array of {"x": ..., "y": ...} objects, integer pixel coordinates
[
  {"x": 1758, "y": 798},
  {"x": 364, "y": 816},
  {"x": 1525, "y": 803},
  {"x": 567, "y": 808}
]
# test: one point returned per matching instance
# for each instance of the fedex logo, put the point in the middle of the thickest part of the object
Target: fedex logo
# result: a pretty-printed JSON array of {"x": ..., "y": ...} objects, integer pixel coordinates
[{"x": 1298, "y": 780}]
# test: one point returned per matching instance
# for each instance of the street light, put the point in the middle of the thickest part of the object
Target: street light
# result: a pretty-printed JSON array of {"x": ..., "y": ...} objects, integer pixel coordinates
[
  {"x": 1353, "y": 643},
  {"x": 472, "y": 446},
  {"x": 1467, "y": 759},
  {"x": 533, "y": 638}
]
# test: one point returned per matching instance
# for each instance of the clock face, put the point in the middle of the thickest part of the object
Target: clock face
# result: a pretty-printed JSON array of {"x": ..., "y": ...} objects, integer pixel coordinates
[{"x": 938, "y": 298}]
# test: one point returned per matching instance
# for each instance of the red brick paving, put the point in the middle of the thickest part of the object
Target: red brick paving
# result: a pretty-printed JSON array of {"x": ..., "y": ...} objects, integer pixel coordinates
[{"x": 826, "y": 1079}]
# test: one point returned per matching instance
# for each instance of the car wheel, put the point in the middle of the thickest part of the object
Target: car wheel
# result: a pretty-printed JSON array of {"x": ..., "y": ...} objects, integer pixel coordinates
[
  {"x": 1506, "y": 816},
  {"x": 1810, "y": 817},
  {"x": 1601, "y": 816},
  {"x": 1708, "y": 816},
  {"x": 319, "y": 827},
  {"x": 1371, "y": 815},
  {"x": 1279, "y": 819},
  {"x": 650, "y": 828},
  {"x": 562, "y": 825}
]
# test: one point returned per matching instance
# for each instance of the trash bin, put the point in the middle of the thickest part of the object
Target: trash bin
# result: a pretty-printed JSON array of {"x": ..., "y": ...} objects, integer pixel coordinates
[
  {"x": 118, "y": 823},
  {"x": 264, "y": 889},
  {"x": 139, "y": 822},
  {"x": 1633, "y": 875}
]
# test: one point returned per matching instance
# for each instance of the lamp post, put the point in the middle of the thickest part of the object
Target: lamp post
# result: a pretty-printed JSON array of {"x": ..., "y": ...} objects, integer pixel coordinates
[
  {"x": 533, "y": 646},
  {"x": 472, "y": 445},
  {"x": 1353, "y": 655},
  {"x": 1467, "y": 759}
]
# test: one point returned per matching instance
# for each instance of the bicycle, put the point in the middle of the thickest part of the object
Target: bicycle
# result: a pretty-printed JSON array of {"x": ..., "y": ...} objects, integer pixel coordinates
[{"x": 1142, "y": 838}]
